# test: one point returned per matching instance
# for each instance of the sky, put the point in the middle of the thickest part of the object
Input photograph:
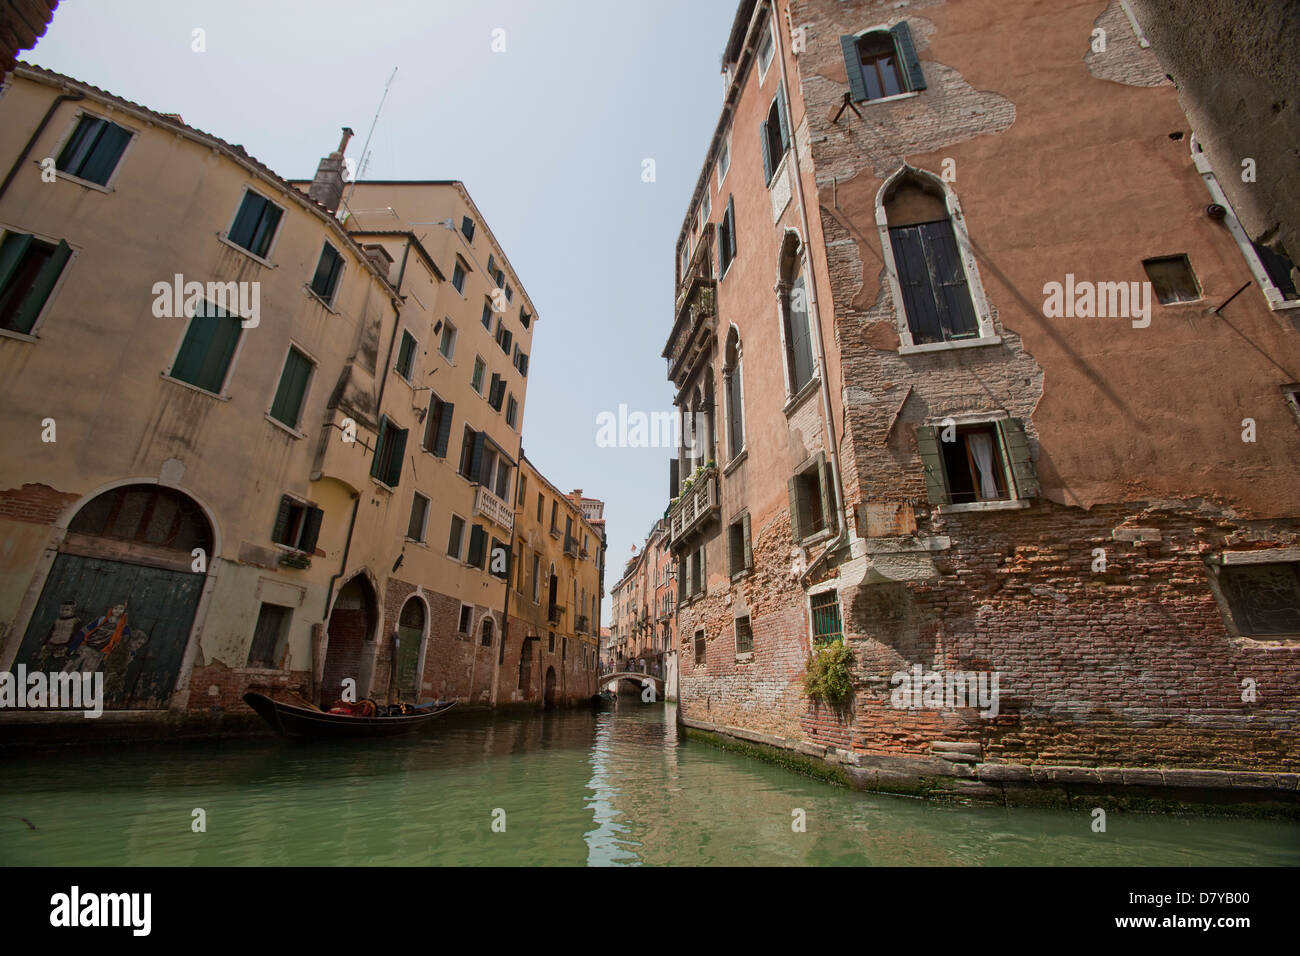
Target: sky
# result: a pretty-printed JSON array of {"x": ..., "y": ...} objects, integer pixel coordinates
[{"x": 549, "y": 135}]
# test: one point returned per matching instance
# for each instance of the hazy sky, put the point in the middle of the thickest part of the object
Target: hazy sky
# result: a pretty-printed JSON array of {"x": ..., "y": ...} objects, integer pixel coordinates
[{"x": 549, "y": 137}]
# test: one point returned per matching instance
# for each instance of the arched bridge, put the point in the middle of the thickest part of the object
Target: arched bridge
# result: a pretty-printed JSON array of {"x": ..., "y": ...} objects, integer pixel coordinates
[{"x": 636, "y": 677}]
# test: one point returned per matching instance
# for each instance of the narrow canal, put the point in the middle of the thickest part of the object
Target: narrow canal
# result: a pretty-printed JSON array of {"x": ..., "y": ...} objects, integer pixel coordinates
[{"x": 575, "y": 788}]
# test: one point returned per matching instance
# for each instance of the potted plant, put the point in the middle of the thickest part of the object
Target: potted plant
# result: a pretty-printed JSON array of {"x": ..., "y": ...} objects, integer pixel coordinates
[{"x": 828, "y": 677}]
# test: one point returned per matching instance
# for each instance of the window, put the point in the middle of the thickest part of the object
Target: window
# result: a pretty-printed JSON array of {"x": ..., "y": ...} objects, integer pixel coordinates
[
  {"x": 555, "y": 514},
  {"x": 486, "y": 317},
  {"x": 882, "y": 63},
  {"x": 456, "y": 537},
  {"x": 732, "y": 395},
  {"x": 486, "y": 640},
  {"x": 496, "y": 392},
  {"x": 765, "y": 52},
  {"x": 744, "y": 636},
  {"x": 476, "y": 378},
  {"x": 419, "y": 516},
  {"x": 811, "y": 503},
  {"x": 390, "y": 447},
  {"x": 982, "y": 461},
  {"x": 826, "y": 618},
  {"x": 774, "y": 135},
  {"x": 297, "y": 524},
  {"x": 437, "y": 427},
  {"x": 1291, "y": 395},
  {"x": 539, "y": 507},
  {"x": 740, "y": 555},
  {"x": 29, "y": 268},
  {"x": 699, "y": 648},
  {"x": 492, "y": 264},
  {"x": 524, "y": 318},
  {"x": 505, "y": 338},
  {"x": 466, "y": 619},
  {"x": 724, "y": 160},
  {"x": 1279, "y": 267},
  {"x": 477, "y": 546},
  {"x": 94, "y": 149},
  {"x": 503, "y": 480},
  {"x": 510, "y": 293},
  {"x": 406, "y": 356},
  {"x": 521, "y": 362},
  {"x": 932, "y": 279},
  {"x": 471, "y": 454},
  {"x": 726, "y": 238},
  {"x": 1172, "y": 279},
  {"x": 1264, "y": 598},
  {"x": 512, "y": 412},
  {"x": 467, "y": 228},
  {"x": 328, "y": 269},
  {"x": 286, "y": 407},
  {"x": 270, "y": 636},
  {"x": 208, "y": 348},
  {"x": 447, "y": 344},
  {"x": 255, "y": 224},
  {"x": 537, "y": 577},
  {"x": 458, "y": 276}
]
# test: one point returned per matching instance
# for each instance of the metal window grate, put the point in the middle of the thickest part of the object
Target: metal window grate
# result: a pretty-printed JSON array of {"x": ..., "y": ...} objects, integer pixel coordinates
[{"x": 826, "y": 618}]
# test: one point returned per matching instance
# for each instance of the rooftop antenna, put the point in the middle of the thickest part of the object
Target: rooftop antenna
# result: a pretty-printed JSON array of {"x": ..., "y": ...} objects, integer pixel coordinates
[{"x": 365, "y": 150}]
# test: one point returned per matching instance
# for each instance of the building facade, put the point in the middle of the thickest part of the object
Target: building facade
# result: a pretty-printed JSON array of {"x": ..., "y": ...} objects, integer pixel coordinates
[{"x": 947, "y": 366}]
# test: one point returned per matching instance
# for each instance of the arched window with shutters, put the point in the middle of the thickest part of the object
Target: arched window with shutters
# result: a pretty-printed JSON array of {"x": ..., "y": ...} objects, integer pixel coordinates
[
  {"x": 882, "y": 62},
  {"x": 733, "y": 395},
  {"x": 939, "y": 299},
  {"x": 774, "y": 135}
]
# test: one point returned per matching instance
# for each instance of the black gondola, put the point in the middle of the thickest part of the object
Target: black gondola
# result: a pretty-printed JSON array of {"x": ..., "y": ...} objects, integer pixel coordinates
[{"x": 303, "y": 721}]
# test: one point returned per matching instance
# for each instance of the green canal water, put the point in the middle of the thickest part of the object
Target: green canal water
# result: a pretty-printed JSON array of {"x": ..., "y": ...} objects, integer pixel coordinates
[{"x": 572, "y": 788}]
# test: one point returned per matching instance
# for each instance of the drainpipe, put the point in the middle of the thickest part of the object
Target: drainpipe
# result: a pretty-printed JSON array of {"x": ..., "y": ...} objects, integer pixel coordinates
[
  {"x": 45, "y": 121},
  {"x": 828, "y": 420}
]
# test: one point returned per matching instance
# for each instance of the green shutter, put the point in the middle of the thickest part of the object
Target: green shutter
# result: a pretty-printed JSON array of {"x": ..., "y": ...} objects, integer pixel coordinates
[
  {"x": 1018, "y": 454},
  {"x": 476, "y": 459},
  {"x": 282, "y": 520},
  {"x": 797, "y": 519},
  {"x": 853, "y": 66},
  {"x": 828, "y": 493},
  {"x": 717, "y": 239},
  {"x": 394, "y": 473},
  {"x": 12, "y": 251},
  {"x": 907, "y": 55},
  {"x": 379, "y": 447},
  {"x": 749, "y": 546},
  {"x": 936, "y": 481},
  {"x": 477, "y": 538},
  {"x": 293, "y": 388},
  {"x": 209, "y": 345},
  {"x": 444, "y": 430},
  {"x": 25, "y": 318},
  {"x": 767, "y": 153},
  {"x": 731, "y": 227},
  {"x": 311, "y": 529},
  {"x": 104, "y": 156}
]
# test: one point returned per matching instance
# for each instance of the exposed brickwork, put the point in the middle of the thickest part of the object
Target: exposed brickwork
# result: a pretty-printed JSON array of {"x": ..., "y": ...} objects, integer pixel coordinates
[
  {"x": 35, "y": 503},
  {"x": 217, "y": 688}
]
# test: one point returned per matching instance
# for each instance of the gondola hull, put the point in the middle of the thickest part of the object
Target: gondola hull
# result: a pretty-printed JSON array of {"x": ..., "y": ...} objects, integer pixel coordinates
[{"x": 302, "y": 721}]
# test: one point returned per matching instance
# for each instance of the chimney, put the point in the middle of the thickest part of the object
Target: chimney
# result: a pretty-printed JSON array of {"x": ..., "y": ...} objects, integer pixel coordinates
[
  {"x": 327, "y": 187},
  {"x": 378, "y": 257}
]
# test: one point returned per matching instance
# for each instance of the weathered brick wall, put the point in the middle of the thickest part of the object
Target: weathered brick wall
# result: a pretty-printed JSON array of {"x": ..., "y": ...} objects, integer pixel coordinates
[
  {"x": 217, "y": 688},
  {"x": 34, "y": 503}
]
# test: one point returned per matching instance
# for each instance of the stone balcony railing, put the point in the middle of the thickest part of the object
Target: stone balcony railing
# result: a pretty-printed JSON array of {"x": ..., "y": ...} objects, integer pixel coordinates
[
  {"x": 493, "y": 508},
  {"x": 695, "y": 504}
]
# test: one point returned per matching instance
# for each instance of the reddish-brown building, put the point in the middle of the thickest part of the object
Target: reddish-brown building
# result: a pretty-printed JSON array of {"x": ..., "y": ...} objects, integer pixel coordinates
[{"x": 989, "y": 382}]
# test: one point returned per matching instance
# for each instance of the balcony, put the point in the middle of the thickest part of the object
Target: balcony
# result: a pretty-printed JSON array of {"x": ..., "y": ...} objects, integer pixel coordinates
[
  {"x": 493, "y": 508},
  {"x": 581, "y": 626},
  {"x": 696, "y": 504},
  {"x": 571, "y": 546},
  {"x": 554, "y": 613}
]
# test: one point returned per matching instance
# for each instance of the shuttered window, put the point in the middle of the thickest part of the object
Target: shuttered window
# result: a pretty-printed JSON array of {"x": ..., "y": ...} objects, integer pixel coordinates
[
  {"x": 329, "y": 267},
  {"x": 94, "y": 149},
  {"x": 936, "y": 297},
  {"x": 798, "y": 338},
  {"x": 406, "y": 356},
  {"x": 726, "y": 238},
  {"x": 973, "y": 466},
  {"x": 269, "y": 637},
  {"x": 812, "y": 503},
  {"x": 289, "y": 395},
  {"x": 882, "y": 63},
  {"x": 740, "y": 556},
  {"x": 297, "y": 524},
  {"x": 255, "y": 224},
  {"x": 458, "y": 277},
  {"x": 389, "y": 451},
  {"x": 437, "y": 429},
  {"x": 419, "y": 517},
  {"x": 456, "y": 537},
  {"x": 774, "y": 135},
  {"x": 29, "y": 269},
  {"x": 208, "y": 348},
  {"x": 477, "y": 546}
]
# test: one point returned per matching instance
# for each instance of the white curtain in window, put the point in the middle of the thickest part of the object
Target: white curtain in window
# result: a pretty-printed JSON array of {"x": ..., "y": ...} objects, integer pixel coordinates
[{"x": 981, "y": 449}]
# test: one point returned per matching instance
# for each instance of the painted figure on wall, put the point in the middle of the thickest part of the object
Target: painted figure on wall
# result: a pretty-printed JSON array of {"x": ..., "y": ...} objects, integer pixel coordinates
[{"x": 58, "y": 640}]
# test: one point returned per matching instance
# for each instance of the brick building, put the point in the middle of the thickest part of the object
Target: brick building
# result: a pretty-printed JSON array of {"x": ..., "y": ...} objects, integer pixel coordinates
[{"x": 951, "y": 290}]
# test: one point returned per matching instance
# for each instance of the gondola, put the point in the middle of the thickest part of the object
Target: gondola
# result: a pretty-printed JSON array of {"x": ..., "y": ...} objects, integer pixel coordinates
[{"x": 304, "y": 721}]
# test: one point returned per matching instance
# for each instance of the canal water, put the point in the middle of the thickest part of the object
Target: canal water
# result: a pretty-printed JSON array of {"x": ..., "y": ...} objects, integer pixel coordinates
[{"x": 570, "y": 788}]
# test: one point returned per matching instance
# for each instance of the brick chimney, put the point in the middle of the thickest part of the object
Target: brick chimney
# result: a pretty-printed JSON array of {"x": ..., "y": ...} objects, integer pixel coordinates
[{"x": 327, "y": 187}]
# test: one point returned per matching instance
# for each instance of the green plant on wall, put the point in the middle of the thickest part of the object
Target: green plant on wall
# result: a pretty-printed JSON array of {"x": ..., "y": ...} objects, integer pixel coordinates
[{"x": 829, "y": 675}]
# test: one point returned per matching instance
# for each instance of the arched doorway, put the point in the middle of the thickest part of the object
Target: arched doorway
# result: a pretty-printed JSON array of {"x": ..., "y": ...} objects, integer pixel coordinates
[
  {"x": 121, "y": 595},
  {"x": 410, "y": 638},
  {"x": 526, "y": 669},
  {"x": 352, "y": 622},
  {"x": 548, "y": 700}
]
